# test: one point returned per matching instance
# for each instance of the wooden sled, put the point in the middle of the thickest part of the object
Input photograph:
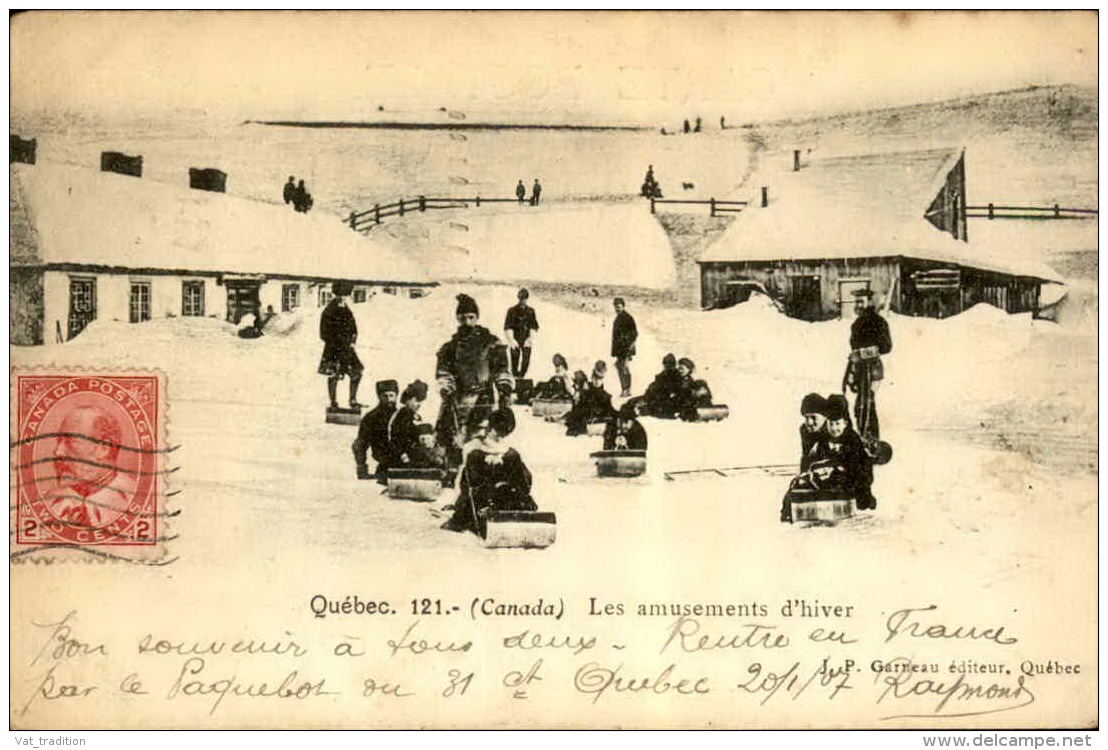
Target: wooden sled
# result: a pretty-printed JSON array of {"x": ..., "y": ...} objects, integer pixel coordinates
[
  {"x": 415, "y": 484},
  {"x": 551, "y": 408},
  {"x": 524, "y": 392},
  {"x": 520, "y": 528},
  {"x": 713, "y": 413},
  {"x": 619, "y": 463},
  {"x": 821, "y": 510},
  {"x": 343, "y": 416}
]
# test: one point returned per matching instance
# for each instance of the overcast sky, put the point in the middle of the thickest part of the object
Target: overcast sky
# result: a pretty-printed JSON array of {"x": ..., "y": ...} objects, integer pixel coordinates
[{"x": 628, "y": 66}]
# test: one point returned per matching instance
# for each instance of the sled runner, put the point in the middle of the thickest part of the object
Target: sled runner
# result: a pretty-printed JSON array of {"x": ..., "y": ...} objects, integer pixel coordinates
[
  {"x": 519, "y": 528},
  {"x": 415, "y": 484},
  {"x": 619, "y": 463},
  {"x": 551, "y": 408},
  {"x": 338, "y": 415},
  {"x": 820, "y": 509},
  {"x": 713, "y": 413}
]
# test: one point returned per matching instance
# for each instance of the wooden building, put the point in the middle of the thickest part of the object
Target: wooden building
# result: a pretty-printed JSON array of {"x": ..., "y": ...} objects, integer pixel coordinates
[
  {"x": 894, "y": 223},
  {"x": 87, "y": 245}
]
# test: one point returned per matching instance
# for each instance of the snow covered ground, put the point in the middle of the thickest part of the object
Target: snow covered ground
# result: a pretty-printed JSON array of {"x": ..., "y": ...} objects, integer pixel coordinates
[{"x": 964, "y": 481}]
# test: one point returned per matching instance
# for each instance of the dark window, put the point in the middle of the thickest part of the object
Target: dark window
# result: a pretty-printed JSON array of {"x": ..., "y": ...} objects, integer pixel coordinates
[
  {"x": 192, "y": 298},
  {"x": 140, "y": 301},
  {"x": 359, "y": 294},
  {"x": 290, "y": 297}
]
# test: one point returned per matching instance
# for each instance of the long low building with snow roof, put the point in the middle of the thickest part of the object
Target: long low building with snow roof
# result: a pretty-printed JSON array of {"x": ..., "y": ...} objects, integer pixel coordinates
[
  {"x": 85, "y": 245},
  {"x": 894, "y": 223}
]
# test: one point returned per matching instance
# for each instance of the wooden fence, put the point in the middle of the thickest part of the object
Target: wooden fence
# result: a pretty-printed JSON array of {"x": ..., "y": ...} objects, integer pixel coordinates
[
  {"x": 361, "y": 221},
  {"x": 991, "y": 211},
  {"x": 715, "y": 207}
]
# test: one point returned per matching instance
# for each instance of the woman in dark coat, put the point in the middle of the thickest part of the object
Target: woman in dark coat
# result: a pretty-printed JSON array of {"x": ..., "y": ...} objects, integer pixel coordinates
[
  {"x": 625, "y": 433},
  {"x": 494, "y": 478},
  {"x": 339, "y": 332},
  {"x": 404, "y": 425}
]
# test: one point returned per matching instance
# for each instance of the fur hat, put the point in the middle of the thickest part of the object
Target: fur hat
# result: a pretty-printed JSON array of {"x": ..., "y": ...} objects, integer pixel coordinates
[
  {"x": 813, "y": 403},
  {"x": 387, "y": 386},
  {"x": 600, "y": 369},
  {"x": 503, "y": 421},
  {"x": 342, "y": 288},
  {"x": 424, "y": 428},
  {"x": 466, "y": 304},
  {"x": 523, "y": 294},
  {"x": 669, "y": 361},
  {"x": 560, "y": 361},
  {"x": 688, "y": 363},
  {"x": 629, "y": 410},
  {"x": 417, "y": 389},
  {"x": 619, "y": 301},
  {"x": 837, "y": 408}
]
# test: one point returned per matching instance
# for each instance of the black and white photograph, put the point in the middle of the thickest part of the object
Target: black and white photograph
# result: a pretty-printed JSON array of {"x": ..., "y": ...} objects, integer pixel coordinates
[{"x": 554, "y": 370}]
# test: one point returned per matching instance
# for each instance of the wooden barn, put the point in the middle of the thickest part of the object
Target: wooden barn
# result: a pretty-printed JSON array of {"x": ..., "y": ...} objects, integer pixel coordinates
[
  {"x": 894, "y": 223},
  {"x": 87, "y": 245}
]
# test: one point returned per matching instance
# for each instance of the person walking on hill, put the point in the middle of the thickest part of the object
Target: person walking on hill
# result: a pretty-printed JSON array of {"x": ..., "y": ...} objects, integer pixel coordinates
[
  {"x": 536, "y": 193},
  {"x": 290, "y": 190},
  {"x": 521, "y": 192}
]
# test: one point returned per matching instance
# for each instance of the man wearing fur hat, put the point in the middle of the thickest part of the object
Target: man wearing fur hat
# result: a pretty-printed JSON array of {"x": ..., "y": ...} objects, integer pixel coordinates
[
  {"x": 339, "y": 333},
  {"x": 472, "y": 373},
  {"x": 373, "y": 433}
]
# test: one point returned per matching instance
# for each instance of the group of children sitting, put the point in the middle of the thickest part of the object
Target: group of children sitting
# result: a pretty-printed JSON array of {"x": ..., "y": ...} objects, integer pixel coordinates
[
  {"x": 397, "y": 437},
  {"x": 493, "y": 475},
  {"x": 833, "y": 460}
]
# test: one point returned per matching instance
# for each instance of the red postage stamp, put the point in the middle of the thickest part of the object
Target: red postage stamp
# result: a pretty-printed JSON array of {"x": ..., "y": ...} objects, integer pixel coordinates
[{"x": 89, "y": 460}]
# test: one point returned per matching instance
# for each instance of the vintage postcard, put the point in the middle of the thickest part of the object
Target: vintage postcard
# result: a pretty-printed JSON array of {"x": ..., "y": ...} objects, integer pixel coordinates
[{"x": 677, "y": 370}]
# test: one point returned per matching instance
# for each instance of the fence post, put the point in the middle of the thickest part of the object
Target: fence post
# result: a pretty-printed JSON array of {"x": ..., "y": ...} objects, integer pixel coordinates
[
  {"x": 990, "y": 212},
  {"x": 401, "y": 203},
  {"x": 352, "y": 220},
  {"x": 712, "y": 209},
  {"x": 422, "y": 203},
  {"x": 377, "y": 212},
  {"x": 765, "y": 196},
  {"x": 1057, "y": 212},
  {"x": 478, "y": 201},
  {"x": 651, "y": 205}
]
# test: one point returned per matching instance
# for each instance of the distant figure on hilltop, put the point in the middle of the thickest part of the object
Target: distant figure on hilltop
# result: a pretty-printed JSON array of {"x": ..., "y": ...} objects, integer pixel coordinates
[
  {"x": 536, "y": 193},
  {"x": 302, "y": 199},
  {"x": 697, "y": 128},
  {"x": 521, "y": 192},
  {"x": 290, "y": 190},
  {"x": 687, "y": 128}
]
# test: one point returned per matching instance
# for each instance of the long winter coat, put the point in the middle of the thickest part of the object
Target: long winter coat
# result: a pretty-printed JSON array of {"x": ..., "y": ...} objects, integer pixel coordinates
[
  {"x": 471, "y": 360},
  {"x": 496, "y": 481},
  {"x": 339, "y": 331},
  {"x": 624, "y": 335},
  {"x": 870, "y": 329},
  {"x": 373, "y": 433},
  {"x": 403, "y": 437}
]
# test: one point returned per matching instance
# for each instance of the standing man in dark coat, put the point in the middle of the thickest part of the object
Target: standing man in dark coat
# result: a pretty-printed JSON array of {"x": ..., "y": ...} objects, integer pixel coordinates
[
  {"x": 624, "y": 335},
  {"x": 290, "y": 190},
  {"x": 373, "y": 432},
  {"x": 339, "y": 333},
  {"x": 869, "y": 339},
  {"x": 521, "y": 192},
  {"x": 536, "y": 193},
  {"x": 519, "y": 323},
  {"x": 472, "y": 373}
]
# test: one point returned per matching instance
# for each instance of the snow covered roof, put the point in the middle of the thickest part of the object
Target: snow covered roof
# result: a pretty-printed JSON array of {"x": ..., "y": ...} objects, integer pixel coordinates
[
  {"x": 86, "y": 218},
  {"x": 859, "y": 206}
]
